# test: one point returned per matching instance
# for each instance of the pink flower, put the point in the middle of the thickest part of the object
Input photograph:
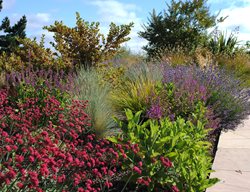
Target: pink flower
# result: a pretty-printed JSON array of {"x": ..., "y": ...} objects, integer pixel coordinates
[
  {"x": 140, "y": 163},
  {"x": 20, "y": 185},
  {"x": 166, "y": 162},
  {"x": 61, "y": 179},
  {"x": 8, "y": 148},
  {"x": 8, "y": 140},
  {"x": 108, "y": 184},
  {"x": 136, "y": 169},
  {"x": 31, "y": 159},
  {"x": 175, "y": 189},
  {"x": 19, "y": 158},
  {"x": 144, "y": 181}
]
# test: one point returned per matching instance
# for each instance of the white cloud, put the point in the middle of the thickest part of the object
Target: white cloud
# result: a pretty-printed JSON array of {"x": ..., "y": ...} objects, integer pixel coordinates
[
  {"x": 238, "y": 16},
  {"x": 35, "y": 24},
  {"x": 112, "y": 10},
  {"x": 38, "y": 20},
  {"x": 121, "y": 13},
  {"x": 34, "y": 21}
]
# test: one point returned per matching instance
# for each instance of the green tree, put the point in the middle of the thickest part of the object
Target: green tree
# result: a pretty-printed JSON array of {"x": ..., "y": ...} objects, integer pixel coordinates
[
  {"x": 184, "y": 24},
  {"x": 84, "y": 45},
  {"x": 8, "y": 41}
]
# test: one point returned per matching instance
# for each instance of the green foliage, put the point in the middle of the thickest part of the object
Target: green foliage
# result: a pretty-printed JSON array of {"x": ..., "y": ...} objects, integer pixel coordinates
[
  {"x": 8, "y": 41},
  {"x": 183, "y": 24},
  {"x": 219, "y": 43},
  {"x": 32, "y": 53},
  {"x": 10, "y": 62},
  {"x": 177, "y": 56},
  {"x": 84, "y": 45},
  {"x": 39, "y": 94},
  {"x": 39, "y": 91},
  {"x": 138, "y": 84},
  {"x": 177, "y": 100},
  {"x": 180, "y": 141},
  {"x": 97, "y": 93},
  {"x": 239, "y": 64},
  {"x": 225, "y": 105},
  {"x": 127, "y": 58},
  {"x": 111, "y": 74}
]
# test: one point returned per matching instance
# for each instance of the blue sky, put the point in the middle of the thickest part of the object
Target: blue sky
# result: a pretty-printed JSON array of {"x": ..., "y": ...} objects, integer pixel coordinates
[{"x": 45, "y": 12}]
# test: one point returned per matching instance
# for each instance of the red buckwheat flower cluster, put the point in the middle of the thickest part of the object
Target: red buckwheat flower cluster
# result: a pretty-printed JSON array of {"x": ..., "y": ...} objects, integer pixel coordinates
[{"x": 48, "y": 147}]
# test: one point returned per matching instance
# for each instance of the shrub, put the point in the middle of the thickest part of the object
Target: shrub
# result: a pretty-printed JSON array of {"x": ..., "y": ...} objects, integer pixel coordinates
[
  {"x": 110, "y": 73},
  {"x": 219, "y": 43},
  {"x": 127, "y": 58},
  {"x": 182, "y": 24},
  {"x": 177, "y": 56},
  {"x": 62, "y": 154},
  {"x": 139, "y": 82},
  {"x": 160, "y": 155},
  {"x": 224, "y": 95},
  {"x": 32, "y": 53},
  {"x": 238, "y": 64},
  {"x": 84, "y": 45}
]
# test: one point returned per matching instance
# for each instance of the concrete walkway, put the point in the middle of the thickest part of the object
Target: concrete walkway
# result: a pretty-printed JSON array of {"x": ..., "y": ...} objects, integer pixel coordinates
[{"x": 232, "y": 160}]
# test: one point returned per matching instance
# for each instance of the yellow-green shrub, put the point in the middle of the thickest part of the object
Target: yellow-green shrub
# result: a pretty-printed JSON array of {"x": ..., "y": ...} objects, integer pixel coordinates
[
  {"x": 139, "y": 82},
  {"x": 238, "y": 64},
  {"x": 84, "y": 45}
]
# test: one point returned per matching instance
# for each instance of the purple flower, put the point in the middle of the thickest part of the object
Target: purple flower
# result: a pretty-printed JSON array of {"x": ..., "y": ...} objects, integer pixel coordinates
[{"x": 155, "y": 112}]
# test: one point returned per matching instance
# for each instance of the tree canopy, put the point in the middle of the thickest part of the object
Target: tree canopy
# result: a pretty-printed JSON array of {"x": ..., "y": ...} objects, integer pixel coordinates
[
  {"x": 183, "y": 24},
  {"x": 84, "y": 45},
  {"x": 8, "y": 41}
]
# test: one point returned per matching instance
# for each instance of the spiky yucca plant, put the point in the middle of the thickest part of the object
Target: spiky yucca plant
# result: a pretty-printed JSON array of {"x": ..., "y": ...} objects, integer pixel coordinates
[{"x": 220, "y": 43}]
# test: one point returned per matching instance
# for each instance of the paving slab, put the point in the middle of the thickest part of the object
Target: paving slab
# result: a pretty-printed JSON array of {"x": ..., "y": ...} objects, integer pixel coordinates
[
  {"x": 234, "y": 143},
  {"x": 231, "y": 181},
  {"x": 232, "y": 160},
  {"x": 228, "y": 159},
  {"x": 236, "y": 134}
]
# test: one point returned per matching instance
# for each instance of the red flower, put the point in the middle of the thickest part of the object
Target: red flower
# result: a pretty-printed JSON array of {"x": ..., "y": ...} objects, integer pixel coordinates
[
  {"x": 31, "y": 159},
  {"x": 8, "y": 140},
  {"x": 8, "y": 148},
  {"x": 11, "y": 174},
  {"x": 175, "y": 189},
  {"x": 108, "y": 184},
  {"x": 20, "y": 185},
  {"x": 140, "y": 163},
  {"x": 136, "y": 169},
  {"x": 80, "y": 189},
  {"x": 166, "y": 162},
  {"x": 44, "y": 170},
  {"x": 144, "y": 181},
  {"x": 20, "y": 141},
  {"x": 19, "y": 158}
]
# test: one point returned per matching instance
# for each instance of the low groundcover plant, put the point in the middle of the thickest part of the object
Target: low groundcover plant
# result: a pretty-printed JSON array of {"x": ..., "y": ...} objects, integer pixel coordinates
[
  {"x": 60, "y": 154},
  {"x": 159, "y": 155}
]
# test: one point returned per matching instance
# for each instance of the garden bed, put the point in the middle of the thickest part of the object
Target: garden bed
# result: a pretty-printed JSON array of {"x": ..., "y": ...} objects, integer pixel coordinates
[{"x": 53, "y": 138}]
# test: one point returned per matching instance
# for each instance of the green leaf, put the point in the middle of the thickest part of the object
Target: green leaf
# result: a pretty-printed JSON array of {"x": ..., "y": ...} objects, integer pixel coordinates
[{"x": 113, "y": 139}]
